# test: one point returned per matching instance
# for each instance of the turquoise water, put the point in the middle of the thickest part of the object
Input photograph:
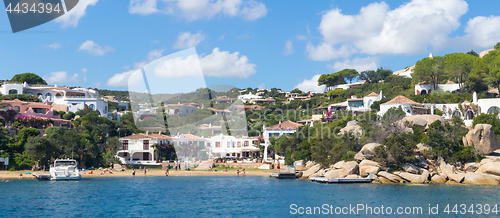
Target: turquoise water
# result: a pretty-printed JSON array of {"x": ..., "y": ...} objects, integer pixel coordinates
[{"x": 224, "y": 196}]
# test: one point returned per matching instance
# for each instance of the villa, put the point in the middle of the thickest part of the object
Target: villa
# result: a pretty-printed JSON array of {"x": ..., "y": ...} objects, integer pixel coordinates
[
  {"x": 345, "y": 86},
  {"x": 248, "y": 97},
  {"x": 224, "y": 146},
  {"x": 424, "y": 88},
  {"x": 62, "y": 98},
  {"x": 357, "y": 105},
  {"x": 136, "y": 149},
  {"x": 285, "y": 128},
  {"x": 409, "y": 107},
  {"x": 32, "y": 109}
]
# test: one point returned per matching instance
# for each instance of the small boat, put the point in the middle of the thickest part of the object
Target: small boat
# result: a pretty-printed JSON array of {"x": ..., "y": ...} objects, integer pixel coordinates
[
  {"x": 64, "y": 169},
  {"x": 322, "y": 179}
]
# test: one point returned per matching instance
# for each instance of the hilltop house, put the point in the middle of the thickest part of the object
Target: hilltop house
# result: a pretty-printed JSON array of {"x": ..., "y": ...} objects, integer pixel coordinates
[
  {"x": 409, "y": 107},
  {"x": 62, "y": 98},
  {"x": 345, "y": 86},
  {"x": 248, "y": 97},
  {"x": 357, "y": 105},
  {"x": 424, "y": 88}
]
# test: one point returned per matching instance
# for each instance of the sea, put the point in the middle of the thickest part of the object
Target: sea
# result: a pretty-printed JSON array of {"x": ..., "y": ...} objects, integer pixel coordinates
[{"x": 250, "y": 196}]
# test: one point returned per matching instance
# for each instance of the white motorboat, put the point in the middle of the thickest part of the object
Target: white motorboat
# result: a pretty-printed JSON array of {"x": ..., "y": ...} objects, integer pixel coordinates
[{"x": 64, "y": 169}]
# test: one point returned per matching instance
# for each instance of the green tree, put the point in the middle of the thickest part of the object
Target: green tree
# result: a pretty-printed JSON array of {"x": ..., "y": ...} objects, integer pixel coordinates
[
  {"x": 332, "y": 79},
  {"x": 8, "y": 116},
  {"x": 497, "y": 46},
  {"x": 492, "y": 59},
  {"x": 473, "y": 53},
  {"x": 477, "y": 76},
  {"x": 29, "y": 78},
  {"x": 459, "y": 66},
  {"x": 296, "y": 90},
  {"x": 349, "y": 74},
  {"x": 373, "y": 76},
  {"x": 430, "y": 70},
  {"x": 41, "y": 149},
  {"x": 396, "y": 150}
]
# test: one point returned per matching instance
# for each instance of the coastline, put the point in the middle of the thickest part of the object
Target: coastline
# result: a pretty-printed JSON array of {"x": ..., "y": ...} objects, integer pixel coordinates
[{"x": 128, "y": 173}]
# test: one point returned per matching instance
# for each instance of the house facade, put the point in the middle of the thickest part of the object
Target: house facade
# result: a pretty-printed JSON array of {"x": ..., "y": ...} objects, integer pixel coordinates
[
  {"x": 136, "y": 149},
  {"x": 224, "y": 146},
  {"x": 282, "y": 128}
]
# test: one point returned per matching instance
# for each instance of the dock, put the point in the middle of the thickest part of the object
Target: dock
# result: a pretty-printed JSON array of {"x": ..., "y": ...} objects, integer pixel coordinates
[
  {"x": 283, "y": 175},
  {"x": 42, "y": 176},
  {"x": 340, "y": 180}
]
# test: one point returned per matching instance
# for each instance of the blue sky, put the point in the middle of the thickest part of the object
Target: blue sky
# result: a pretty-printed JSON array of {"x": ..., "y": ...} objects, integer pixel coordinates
[{"x": 243, "y": 43}]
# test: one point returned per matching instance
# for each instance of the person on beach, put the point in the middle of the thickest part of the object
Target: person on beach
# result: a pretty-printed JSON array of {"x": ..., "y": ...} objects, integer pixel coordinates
[
  {"x": 244, "y": 172},
  {"x": 133, "y": 172},
  {"x": 20, "y": 175},
  {"x": 166, "y": 171},
  {"x": 145, "y": 170},
  {"x": 238, "y": 173},
  {"x": 225, "y": 169}
]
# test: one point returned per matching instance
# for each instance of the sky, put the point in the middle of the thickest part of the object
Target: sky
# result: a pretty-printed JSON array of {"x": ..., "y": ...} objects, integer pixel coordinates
[{"x": 242, "y": 43}]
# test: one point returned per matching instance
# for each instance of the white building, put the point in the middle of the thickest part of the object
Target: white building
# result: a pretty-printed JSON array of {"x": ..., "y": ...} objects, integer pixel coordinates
[
  {"x": 345, "y": 86},
  {"x": 425, "y": 88},
  {"x": 357, "y": 105},
  {"x": 407, "y": 72},
  {"x": 224, "y": 146},
  {"x": 409, "y": 107},
  {"x": 180, "y": 110},
  {"x": 136, "y": 149},
  {"x": 63, "y": 99},
  {"x": 285, "y": 128},
  {"x": 248, "y": 97}
]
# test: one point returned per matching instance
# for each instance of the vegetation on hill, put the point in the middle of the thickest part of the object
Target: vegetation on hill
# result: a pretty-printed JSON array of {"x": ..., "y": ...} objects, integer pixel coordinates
[{"x": 29, "y": 78}]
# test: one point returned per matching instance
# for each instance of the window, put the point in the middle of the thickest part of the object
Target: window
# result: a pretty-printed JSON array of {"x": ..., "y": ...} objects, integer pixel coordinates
[
  {"x": 234, "y": 144},
  {"x": 58, "y": 95},
  {"x": 228, "y": 144},
  {"x": 92, "y": 106},
  {"x": 38, "y": 110},
  {"x": 48, "y": 96},
  {"x": 125, "y": 145},
  {"x": 39, "y": 95},
  {"x": 145, "y": 145},
  {"x": 239, "y": 144},
  {"x": 72, "y": 96},
  {"x": 493, "y": 109},
  {"x": 246, "y": 143},
  {"x": 217, "y": 144},
  {"x": 16, "y": 108},
  {"x": 12, "y": 91},
  {"x": 30, "y": 93},
  {"x": 208, "y": 144},
  {"x": 145, "y": 156}
]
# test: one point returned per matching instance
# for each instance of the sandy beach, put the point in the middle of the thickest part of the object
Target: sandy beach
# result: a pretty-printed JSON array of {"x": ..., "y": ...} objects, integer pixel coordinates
[{"x": 128, "y": 173}]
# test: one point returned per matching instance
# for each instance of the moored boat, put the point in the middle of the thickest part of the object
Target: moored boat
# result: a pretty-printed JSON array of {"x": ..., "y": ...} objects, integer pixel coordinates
[{"x": 64, "y": 169}]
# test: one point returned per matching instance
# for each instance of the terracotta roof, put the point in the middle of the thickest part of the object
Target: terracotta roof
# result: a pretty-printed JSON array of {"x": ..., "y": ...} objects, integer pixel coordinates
[
  {"x": 144, "y": 136},
  {"x": 372, "y": 94},
  {"x": 287, "y": 125},
  {"x": 401, "y": 100},
  {"x": 450, "y": 82},
  {"x": 192, "y": 137}
]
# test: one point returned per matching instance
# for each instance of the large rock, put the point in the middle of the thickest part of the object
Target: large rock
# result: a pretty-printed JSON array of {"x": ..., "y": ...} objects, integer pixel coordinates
[
  {"x": 335, "y": 174},
  {"x": 350, "y": 167},
  {"x": 485, "y": 161},
  {"x": 382, "y": 179},
  {"x": 364, "y": 171},
  {"x": 458, "y": 178},
  {"x": 480, "y": 178},
  {"x": 422, "y": 121},
  {"x": 389, "y": 176},
  {"x": 309, "y": 164},
  {"x": 413, "y": 178},
  {"x": 443, "y": 168},
  {"x": 369, "y": 163},
  {"x": 117, "y": 167},
  {"x": 422, "y": 162},
  {"x": 352, "y": 177},
  {"x": 311, "y": 171},
  {"x": 471, "y": 167},
  {"x": 438, "y": 179},
  {"x": 482, "y": 138},
  {"x": 490, "y": 168},
  {"x": 367, "y": 152},
  {"x": 355, "y": 130},
  {"x": 338, "y": 165},
  {"x": 410, "y": 168},
  {"x": 421, "y": 148},
  {"x": 319, "y": 173}
]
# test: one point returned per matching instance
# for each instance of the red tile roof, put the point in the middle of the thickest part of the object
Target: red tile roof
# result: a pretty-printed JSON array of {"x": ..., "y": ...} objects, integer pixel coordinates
[
  {"x": 372, "y": 94},
  {"x": 287, "y": 125},
  {"x": 401, "y": 100}
]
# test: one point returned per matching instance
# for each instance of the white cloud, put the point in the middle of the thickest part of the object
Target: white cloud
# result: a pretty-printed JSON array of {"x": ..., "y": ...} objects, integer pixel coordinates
[
  {"x": 217, "y": 64},
  {"x": 54, "y": 45},
  {"x": 414, "y": 27},
  {"x": 60, "y": 77},
  {"x": 262, "y": 86},
  {"x": 200, "y": 9},
  {"x": 227, "y": 65},
  {"x": 152, "y": 55},
  {"x": 483, "y": 32},
  {"x": 84, "y": 70},
  {"x": 73, "y": 16},
  {"x": 288, "y": 47},
  {"x": 359, "y": 64},
  {"x": 188, "y": 40},
  {"x": 301, "y": 37},
  {"x": 94, "y": 49},
  {"x": 311, "y": 85}
]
